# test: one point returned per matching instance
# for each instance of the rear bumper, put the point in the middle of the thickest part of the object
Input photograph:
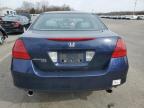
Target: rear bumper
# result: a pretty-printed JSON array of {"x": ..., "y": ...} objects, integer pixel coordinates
[{"x": 28, "y": 77}]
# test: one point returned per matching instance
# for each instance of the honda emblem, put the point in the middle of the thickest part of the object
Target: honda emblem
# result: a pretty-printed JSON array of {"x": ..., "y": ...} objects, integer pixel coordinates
[{"x": 71, "y": 44}]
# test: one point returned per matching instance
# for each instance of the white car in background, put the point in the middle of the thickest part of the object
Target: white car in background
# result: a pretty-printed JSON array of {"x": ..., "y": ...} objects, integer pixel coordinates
[{"x": 134, "y": 17}]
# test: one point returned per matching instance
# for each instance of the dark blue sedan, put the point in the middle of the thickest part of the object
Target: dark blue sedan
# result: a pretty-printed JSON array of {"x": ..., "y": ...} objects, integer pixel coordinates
[{"x": 69, "y": 51}]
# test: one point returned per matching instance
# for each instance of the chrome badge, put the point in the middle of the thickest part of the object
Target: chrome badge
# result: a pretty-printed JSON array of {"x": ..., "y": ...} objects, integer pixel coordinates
[{"x": 71, "y": 44}]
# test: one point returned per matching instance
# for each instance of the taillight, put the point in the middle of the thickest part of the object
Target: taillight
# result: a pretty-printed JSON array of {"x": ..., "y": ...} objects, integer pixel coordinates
[
  {"x": 16, "y": 24},
  {"x": 19, "y": 51},
  {"x": 120, "y": 49}
]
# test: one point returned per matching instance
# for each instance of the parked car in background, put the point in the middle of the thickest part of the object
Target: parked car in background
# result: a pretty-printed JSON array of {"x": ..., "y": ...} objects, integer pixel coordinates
[
  {"x": 26, "y": 15},
  {"x": 11, "y": 26},
  {"x": 140, "y": 18},
  {"x": 133, "y": 17},
  {"x": 69, "y": 51},
  {"x": 24, "y": 21}
]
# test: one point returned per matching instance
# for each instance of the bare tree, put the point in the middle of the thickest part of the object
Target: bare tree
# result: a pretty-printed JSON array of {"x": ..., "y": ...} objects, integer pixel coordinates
[
  {"x": 44, "y": 5},
  {"x": 27, "y": 5},
  {"x": 38, "y": 7}
]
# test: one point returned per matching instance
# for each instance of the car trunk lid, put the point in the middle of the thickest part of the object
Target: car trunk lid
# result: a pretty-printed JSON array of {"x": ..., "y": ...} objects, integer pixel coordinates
[{"x": 71, "y": 52}]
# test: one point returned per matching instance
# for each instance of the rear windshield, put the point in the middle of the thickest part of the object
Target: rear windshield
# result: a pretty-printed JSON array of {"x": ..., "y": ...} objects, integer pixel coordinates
[
  {"x": 10, "y": 18},
  {"x": 71, "y": 21}
]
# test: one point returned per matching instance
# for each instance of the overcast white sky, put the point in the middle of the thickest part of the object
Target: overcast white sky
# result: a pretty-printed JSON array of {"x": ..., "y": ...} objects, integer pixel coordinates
[{"x": 85, "y": 5}]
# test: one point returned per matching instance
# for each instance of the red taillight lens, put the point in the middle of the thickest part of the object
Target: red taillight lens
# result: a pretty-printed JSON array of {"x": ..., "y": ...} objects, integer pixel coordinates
[
  {"x": 120, "y": 49},
  {"x": 16, "y": 24},
  {"x": 19, "y": 51}
]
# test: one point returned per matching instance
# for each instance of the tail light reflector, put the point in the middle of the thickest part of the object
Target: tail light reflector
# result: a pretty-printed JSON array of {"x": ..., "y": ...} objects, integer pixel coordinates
[
  {"x": 19, "y": 51},
  {"x": 120, "y": 49}
]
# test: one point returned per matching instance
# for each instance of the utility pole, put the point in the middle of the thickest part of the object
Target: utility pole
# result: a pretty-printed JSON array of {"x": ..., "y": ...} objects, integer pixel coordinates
[
  {"x": 0, "y": 3},
  {"x": 135, "y": 4}
]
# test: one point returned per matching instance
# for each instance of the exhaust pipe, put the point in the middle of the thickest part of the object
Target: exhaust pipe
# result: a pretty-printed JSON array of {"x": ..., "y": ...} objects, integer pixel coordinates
[
  {"x": 30, "y": 93},
  {"x": 109, "y": 91}
]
